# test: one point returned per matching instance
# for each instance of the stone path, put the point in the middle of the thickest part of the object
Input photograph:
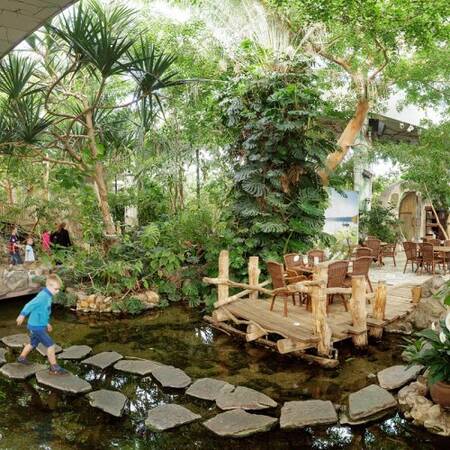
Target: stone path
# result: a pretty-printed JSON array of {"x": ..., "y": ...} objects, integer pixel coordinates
[
  {"x": 18, "y": 371},
  {"x": 66, "y": 383},
  {"x": 169, "y": 416},
  {"x": 42, "y": 349},
  {"x": 397, "y": 376},
  {"x": 299, "y": 414},
  {"x": 16, "y": 340},
  {"x": 209, "y": 388},
  {"x": 111, "y": 402},
  {"x": 244, "y": 398},
  {"x": 171, "y": 377},
  {"x": 137, "y": 367},
  {"x": 3, "y": 352},
  {"x": 75, "y": 352},
  {"x": 103, "y": 360}
]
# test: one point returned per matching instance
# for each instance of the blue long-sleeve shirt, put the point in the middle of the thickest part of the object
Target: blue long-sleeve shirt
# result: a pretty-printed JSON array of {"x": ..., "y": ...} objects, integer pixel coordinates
[{"x": 38, "y": 310}]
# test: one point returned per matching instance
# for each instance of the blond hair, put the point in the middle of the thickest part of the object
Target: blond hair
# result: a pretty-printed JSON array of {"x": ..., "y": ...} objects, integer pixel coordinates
[{"x": 54, "y": 279}]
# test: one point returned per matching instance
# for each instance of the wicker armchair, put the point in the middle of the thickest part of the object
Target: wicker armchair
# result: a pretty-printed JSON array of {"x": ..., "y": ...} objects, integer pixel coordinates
[
  {"x": 293, "y": 261},
  {"x": 315, "y": 253},
  {"x": 429, "y": 259},
  {"x": 375, "y": 245},
  {"x": 434, "y": 242},
  {"x": 388, "y": 251},
  {"x": 279, "y": 280},
  {"x": 362, "y": 251},
  {"x": 411, "y": 255},
  {"x": 337, "y": 271},
  {"x": 361, "y": 266}
]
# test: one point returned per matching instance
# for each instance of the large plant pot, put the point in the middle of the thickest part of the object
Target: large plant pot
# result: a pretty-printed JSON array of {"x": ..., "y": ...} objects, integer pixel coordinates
[{"x": 440, "y": 393}]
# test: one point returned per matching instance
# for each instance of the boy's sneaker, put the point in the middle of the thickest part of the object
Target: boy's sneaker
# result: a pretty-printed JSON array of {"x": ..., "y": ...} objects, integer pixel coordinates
[
  {"x": 57, "y": 370},
  {"x": 23, "y": 361}
]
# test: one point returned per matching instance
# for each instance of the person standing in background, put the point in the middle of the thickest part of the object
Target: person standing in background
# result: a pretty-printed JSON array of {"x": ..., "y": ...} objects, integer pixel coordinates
[
  {"x": 13, "y": 247},
  {"x": 45, "y": 241}
]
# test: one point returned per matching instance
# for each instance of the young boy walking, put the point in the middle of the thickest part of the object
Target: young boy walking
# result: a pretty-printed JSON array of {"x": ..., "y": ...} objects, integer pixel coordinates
[{"x": 38, "y": 312}]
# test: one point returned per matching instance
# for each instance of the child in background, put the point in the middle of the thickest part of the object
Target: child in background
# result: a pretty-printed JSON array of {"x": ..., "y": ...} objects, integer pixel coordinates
[
  {"x": 46, "y": 241},
  {"x": 13, "y": 246},
  {"x": 29, "y": 252},
  {"x": 38, "y": 311}
]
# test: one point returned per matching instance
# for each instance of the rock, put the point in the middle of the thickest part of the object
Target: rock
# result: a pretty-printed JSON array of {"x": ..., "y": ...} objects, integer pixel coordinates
[
  {"x": 413, "y": 389},
  {"x": 3, "y": 352},
  {"x": 16, "y": 280},
  {"x": 400, "y": 326},
  {"x": 165, "y": 417},
  {"x": 19, "y": 371},
  {"x": 369, "y": 402},
  {"x": 239, "y": 423},
  {"x": 244, "y": 398},
  {"x": 75, "y": 352},
  {"x": 103, "y": 360},
  {"x": 432, "y": 285},
  {"x": 43, "y": 350},
  {"x": 16, "y": 340},
  {"x": 209, "y": 388},
  {"x": 171, "y": 377},
  {"x": 428, "y": 310},
  {"x": 299, "y": 414},
  {"x": 138, "y": 367},
  {"x": 111, "y": 402},
  {"x": 397, "y": 376},
  {"x": 65, "y": 383}
]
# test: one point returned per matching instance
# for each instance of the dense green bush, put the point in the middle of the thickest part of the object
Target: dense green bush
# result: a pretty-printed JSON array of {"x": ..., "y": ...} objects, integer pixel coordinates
[{"x": 381, "y": 222}]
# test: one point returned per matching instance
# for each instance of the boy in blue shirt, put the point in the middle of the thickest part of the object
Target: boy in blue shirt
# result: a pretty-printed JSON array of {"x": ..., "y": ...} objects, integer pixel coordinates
[{"x": 38, "y": 311}]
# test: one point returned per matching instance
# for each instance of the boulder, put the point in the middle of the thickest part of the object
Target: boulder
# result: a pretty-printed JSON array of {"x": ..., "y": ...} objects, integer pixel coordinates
[
  {"x": 432, "y": 285},
  {"x": 3, "y": 352},
  {"x": 75, "y": 352},
  {"x": 299, "y": 414},
  {"x": 397, "y": 376},
  {"x": 165, "y": 417},
  {"x": 16, "y": 280},
  {"x": 149, "y": 298},
  {"x": 171, "y": 377},
  {"x": 238, "y": 423},
  {"x": 209, "y": 388},
  {"x": 244, "y": 398},
  {"x": 19, "y": 371},
  {"x": 428, "y": 310},
  {"x": 137, "y": 367},
  {"x": 16, "y": 340},
  {"x": 111, "y": 402},
  {"x": 103, "y": 360},
  {"x": 369, "y": 403},
  {"x": 42, "y": 349},
  {"x": 66, "y": 383},
  {"x": 414, "y": 389}
]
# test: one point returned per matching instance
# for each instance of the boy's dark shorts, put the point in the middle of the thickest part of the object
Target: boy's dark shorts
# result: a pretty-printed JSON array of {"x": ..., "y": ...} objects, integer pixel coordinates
[{"x": 38, "y": 336}]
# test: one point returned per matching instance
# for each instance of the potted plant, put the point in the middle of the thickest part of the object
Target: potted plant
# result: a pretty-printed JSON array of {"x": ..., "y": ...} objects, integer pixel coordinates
[{"x": 432, "y": 350}]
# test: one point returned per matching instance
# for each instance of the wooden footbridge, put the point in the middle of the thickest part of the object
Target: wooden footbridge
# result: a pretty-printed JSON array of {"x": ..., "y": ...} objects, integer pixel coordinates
[{"x": 309, "y": 334}]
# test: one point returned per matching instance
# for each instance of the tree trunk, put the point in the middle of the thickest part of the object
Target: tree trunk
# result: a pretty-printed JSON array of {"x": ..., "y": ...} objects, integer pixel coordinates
[
  {"x": 346, "y": 139},
  {"x": 102, "y": 195}
]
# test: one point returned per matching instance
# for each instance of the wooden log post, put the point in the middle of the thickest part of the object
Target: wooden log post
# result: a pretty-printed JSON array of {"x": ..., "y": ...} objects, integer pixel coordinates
[
  {"x": 319, "y": 310},
  {"x": 379, "y": 308},
  {"x": 224, "y": 273},
  {"x": 358, "y": 311},
  {"x": 253, "y": 275},
  {"x": 254, "y": 331},
  {"x": 416, "y": 294}
]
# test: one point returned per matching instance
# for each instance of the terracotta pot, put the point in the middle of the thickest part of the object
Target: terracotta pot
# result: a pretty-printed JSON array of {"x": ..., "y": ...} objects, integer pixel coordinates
[{"x": 440, "y": 393}]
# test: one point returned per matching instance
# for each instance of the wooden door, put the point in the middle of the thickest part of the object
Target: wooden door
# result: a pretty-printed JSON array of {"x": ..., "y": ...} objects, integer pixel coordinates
[{"x": 407, "y": 214}]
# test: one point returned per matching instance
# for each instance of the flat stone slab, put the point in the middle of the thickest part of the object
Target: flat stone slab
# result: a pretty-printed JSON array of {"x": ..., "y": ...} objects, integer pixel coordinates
[
  {"x": 65, "y": 383},
  {"x": 369, "y": 401},
  {"x": 171, "y": 377},
  {"x": 397, "y": 376},
  {"x": 209, "y": 388},
  {"x": 239, "y": 423},
  {"x": 75, "y": 352},
  {"x": 165, "y": 417},
  {"x": 244, "y": 398},
  {"x": 299, "y": 414},
  {"x": 103, "y": 360},
  {"x": 3, "y": 352},
  {"x": 19, "y": 371},
  {"x": 137, "y": 367},
  {"x": 16, "y": 340},
  {"x": 42, "y": 349},
  {"x": 111, "y": 402}
]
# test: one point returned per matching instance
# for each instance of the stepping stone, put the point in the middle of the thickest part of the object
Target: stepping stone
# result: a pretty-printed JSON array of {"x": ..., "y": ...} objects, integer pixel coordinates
[
  {"x": 209, "y": 388},
  {"x": 171, "y": 377},
  {"x": 19, "y": 371},
  {"x": 397, "y": 376},
  {"x": 42, "y": 349},
  {"x": 65, "y": 383},
  {"x": 75, "y": 352},
  {"x": 238, "y": 423},
  {"x": 299, "y": 414},
  {"x": 111, "y": 402},
  {"x": 369, "y": 402},
  {"x": 103, "y": 360},
  {"x": 16, "y": 340},
  {"x": 138, "y": 367},
  {"x": 166, "y": 417},
  {"x": 3, "y": 352},
  {"x": 244, "y": 398}
]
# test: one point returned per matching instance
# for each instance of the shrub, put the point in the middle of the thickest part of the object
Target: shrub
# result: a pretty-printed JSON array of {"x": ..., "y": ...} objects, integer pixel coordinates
[{"x": 381, "y": 222}]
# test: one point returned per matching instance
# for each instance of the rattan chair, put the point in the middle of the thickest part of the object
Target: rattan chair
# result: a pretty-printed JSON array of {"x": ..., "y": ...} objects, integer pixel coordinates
[
  {"x": 315, "y": 253},
  {"x": 375, "y": 245},
  {"x": 337, "y": 271},
  {"x": 279, "y": 280},
  {"x": 434, "y": 242},
  {"x": 293, "y": 261},
  {"x": 362, "y": 251},
  {"x": 361, "y": 266},
  {"x": 429, "y": 259},
  {"x": 411, "y": 255},
  {"x": 388, "y": 251}
]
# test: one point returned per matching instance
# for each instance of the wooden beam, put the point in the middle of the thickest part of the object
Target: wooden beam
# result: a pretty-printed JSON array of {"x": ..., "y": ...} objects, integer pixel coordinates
[
  {"x": 358, "y": 310},
  {"x": 239, "y": 295},
  {"x": 416, "y": 294},
  {"x": 253, "y": 275},
  {"x": 255, "y": 331},
  {"x": 379, "y": 309},
  {"x": 289, "y": 345},
  {"x": 224, "y": 272}
]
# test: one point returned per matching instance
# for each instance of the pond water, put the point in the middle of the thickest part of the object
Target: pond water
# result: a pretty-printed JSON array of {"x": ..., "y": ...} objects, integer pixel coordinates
[{"x": 32, "y": 417}]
